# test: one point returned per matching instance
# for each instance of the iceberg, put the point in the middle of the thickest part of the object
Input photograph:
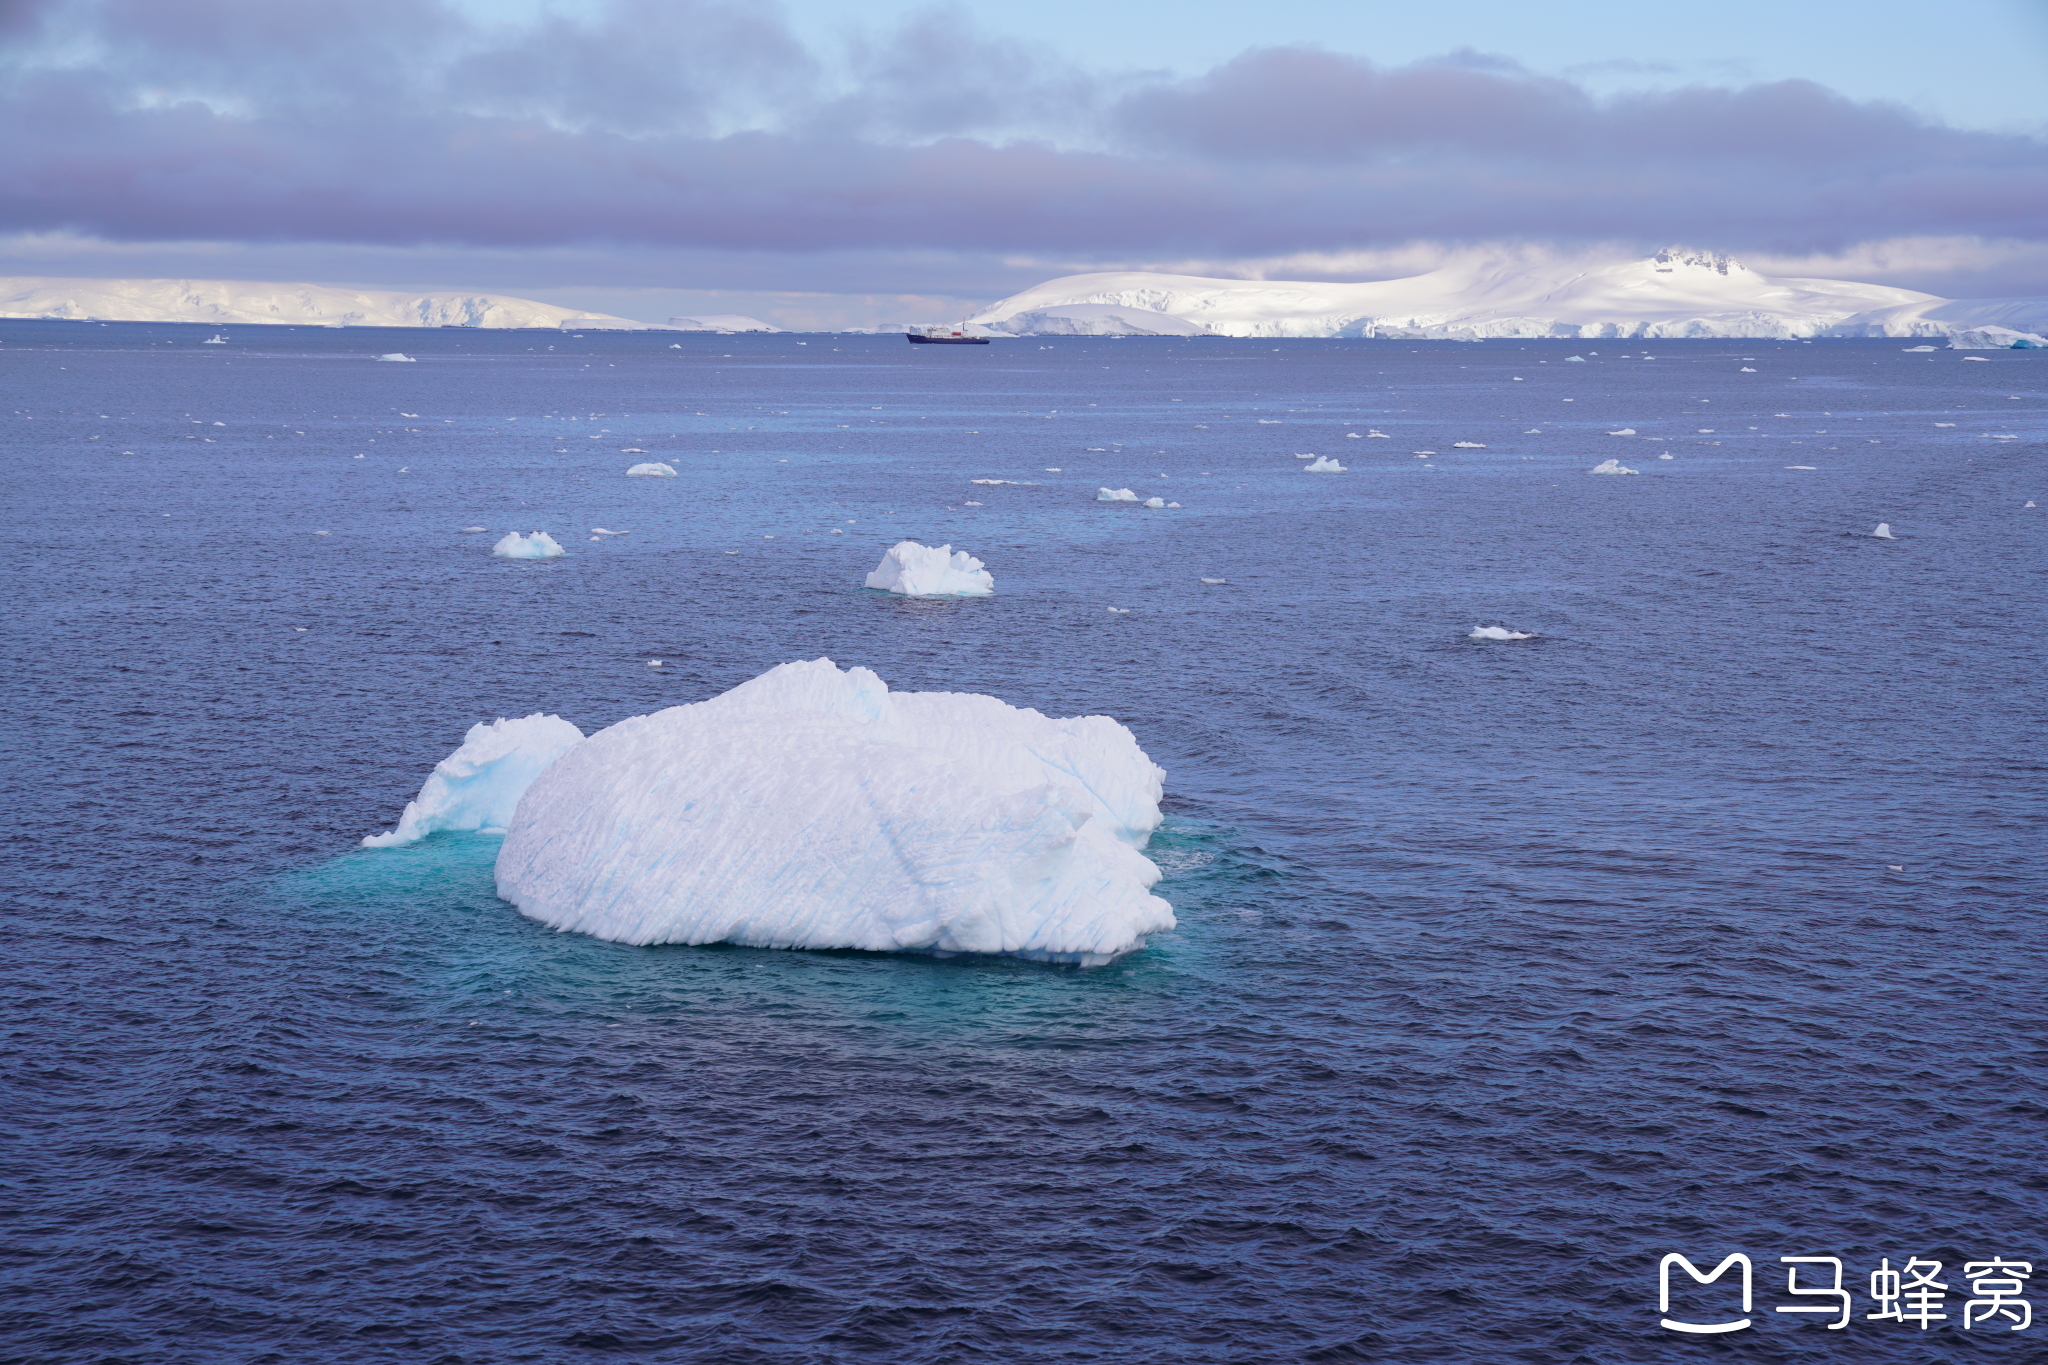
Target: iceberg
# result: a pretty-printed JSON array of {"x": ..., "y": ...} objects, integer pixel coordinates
[
  {"x": 1115, "y": 495},
  {"x": 1612, "y": 467},
  {"x": 539, "y": 545},
  {"x": 915, "y": 570},
  {"x": 1324, "y": 465},
  {"x": 1467, "y": 445},
  {"x": 1498, "y": 633},
  {"x": 1157, "y": 503},
  {"x": 1883, "y": 532},
  {"x": 1994, "y": 339},
  {"x": 1625, "y": 431},
  {"x": 400, "y": 357},
  {"x": 479, "y": 785},
  {"x": 814, "y": 808},
  {"x": 651, "y": 470}
]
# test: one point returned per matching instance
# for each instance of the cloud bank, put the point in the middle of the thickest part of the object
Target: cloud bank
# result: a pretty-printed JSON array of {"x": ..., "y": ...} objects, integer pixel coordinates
[{"x": 692, "y": 128}]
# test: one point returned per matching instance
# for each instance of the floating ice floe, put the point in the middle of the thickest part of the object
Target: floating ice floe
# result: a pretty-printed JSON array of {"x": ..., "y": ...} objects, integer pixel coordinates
[
  {"x": 1215, "y": 581},
  {"x": 914, "y": 570},
  {"x": 1377, "y": 436},
  {"x": 1883, "y": 532},
  {"x": 1625, "y": 431},
  {"x": 398, "y": 356},
  {"x": 1801, "y": 466},
  {"x": 1304, "y": 457},
  {"x": 472, "y": 529},
  {"x": 1981, "y": 360},
  {"x": 636, "y": 450},
  {"x": 1666, "y": 457},
  {"x": 1467, "y": 445},
  {"x": 1575, "y": 360},
  {"x": 814, "y": 808},
  {"x": 1324, "y": 465},
  {"x": 215, "y": 340},
  {"x": 1912, "y": 350},
  {"x": 1115, "y": 495},
  {"x": 2030, "y": 502},
  {"x": 1157, "y": 503},
  {"x": 539, "y": 545},
  {"x": 651, "y": 470},
  {"x": 600, "y": 531},
  {"x": 1352, "y": 436},
  {"x": 1612, "y": 467},
  {"x": 479, "y": 785},
  {"x": 1498, "y": 633},
  {"x": 1747, "y": 370}
]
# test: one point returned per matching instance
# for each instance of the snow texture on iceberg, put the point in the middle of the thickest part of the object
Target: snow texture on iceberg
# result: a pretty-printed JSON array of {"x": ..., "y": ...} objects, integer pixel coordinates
[
  {"x": 915, "y": 570},
  {"x": 479, "y": 785},
  {"x": 815, "y": 808},
  {"x": 651, "y": 470},
  {"x": 539, "y": 545}
]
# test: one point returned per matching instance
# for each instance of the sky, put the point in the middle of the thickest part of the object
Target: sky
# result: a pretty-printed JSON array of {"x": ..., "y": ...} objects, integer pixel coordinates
[{"x": 817, "y": 163}]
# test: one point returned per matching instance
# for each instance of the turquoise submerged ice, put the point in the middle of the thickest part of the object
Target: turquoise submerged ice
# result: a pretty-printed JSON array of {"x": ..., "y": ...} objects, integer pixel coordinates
[
  {"x": 814, "y": 808},
  {"x": 479, "y": 785}
]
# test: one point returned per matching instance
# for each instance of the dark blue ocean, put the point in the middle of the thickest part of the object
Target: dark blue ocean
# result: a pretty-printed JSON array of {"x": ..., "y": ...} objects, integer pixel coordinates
[{"x": 1709, "y": 920}]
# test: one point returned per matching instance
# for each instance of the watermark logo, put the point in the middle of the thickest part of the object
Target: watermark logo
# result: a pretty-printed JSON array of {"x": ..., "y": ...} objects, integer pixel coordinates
[{"x": 1911, "y": 1295}]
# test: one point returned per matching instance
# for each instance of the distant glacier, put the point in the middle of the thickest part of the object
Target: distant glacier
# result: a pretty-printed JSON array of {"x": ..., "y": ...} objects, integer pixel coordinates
[
  {"x": 1675, "y": 293},
  {"x": 241, "y": 302}
]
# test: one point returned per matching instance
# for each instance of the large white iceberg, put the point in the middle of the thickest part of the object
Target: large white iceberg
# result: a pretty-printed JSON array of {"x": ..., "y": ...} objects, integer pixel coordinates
[
  {"x": 479, "y": 785},
  {"x": 651, "y": 470},
  {"x": 815, "y": 808},
  {"x": 539, "y": 545},
  {"x": 916, "y": 570}
]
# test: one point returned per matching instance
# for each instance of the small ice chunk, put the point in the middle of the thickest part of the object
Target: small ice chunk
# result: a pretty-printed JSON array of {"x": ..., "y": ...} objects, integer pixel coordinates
[
  {"x": 913, "y": 570},
  {"x": 473, "y": 529},
  {"x": 654, "y": 663},
  {"x": 398, "y": 356},
  {"x": 1115, "y": 495},
  {"x": 1748, "y": 370},
  {"x": 600, "y": 531},
  {"x": 651, "y": 470},
  {"x": 1466, "y": 445},
  {"x": 539, "y": 545},
  {"x": 1304, "y": 457},
  {"x": 1910, "y": 350},
  {"x": 479, "y": 785},
  {"x": 1377, "y": 436},
  {"x": 1625, "y": 431},
  {"x": 1663, "y": 457},
  {"x": 1052, "y": 469},
  {"x": 1883, "y": 531},
  {"x": 1575, "y": 360},
  {"x": 1498, "y": 633},
  {"x": 1611, "y": 467},
  {"x": 1214, "y": 581},
  {"x": 1352, "y": 436},
  {"x": 1323, "y": 465},
  {"x": 1155, "y": 503}
]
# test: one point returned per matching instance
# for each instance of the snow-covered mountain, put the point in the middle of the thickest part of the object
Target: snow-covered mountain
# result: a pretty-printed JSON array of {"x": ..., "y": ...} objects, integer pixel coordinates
[
  {"x": 223, "y": 302},
  {"x": 721, "y": 322},
  {"x": 1676, "y": 293}
]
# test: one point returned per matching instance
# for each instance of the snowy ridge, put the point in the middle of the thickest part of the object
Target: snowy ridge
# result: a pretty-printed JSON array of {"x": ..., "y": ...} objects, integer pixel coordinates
[
  {"x": 1676, "y": 293},
  {"x": 241, "y": 302}
]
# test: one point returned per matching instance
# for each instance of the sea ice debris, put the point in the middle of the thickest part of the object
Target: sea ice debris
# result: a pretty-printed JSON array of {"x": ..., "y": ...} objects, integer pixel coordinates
[
  {"x": 398, "y": 356},
  {"x": 1909, "y": 350},
  {"x": 914, "y": 570},
  {"x": 476, "y": 528},
  {"x": 651, "y": 470},
  {"x": 1498, "y": 633},
  {"x": 539, "y": 545},
  {"x": 1611, "y": 467},
  {"x": 1115, "y": 495},
  {"x": 1324, "y": 465},
  {"x": 1575, "y": 360},
  {"x": 1883, "y": 532},
  {"x": 1214, "y": 581},
  {"x": 479, "y": 785},
  {"x": 1625, "y": 431},
  {"x": 1155, "y": 503},
  {"x": 815, "y": 808}
]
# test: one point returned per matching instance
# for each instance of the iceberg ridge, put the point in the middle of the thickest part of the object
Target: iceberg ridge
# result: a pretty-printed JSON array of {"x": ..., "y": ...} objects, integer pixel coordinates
[{"x": 479, "y": 785}]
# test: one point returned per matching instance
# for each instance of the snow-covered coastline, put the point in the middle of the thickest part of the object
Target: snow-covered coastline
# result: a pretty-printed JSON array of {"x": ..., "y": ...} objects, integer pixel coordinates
[
  {"x": 245, "y": 302},
  {"x": 1676, "y": 293}
]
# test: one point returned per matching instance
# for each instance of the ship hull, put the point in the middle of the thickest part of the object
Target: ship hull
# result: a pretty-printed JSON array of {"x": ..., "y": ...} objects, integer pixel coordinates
[{"x": 917, "y": 340}]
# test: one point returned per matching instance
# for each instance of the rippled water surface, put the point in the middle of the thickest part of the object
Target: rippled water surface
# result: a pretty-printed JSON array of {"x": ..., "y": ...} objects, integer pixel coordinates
[{"x": 1706, "y": 920}]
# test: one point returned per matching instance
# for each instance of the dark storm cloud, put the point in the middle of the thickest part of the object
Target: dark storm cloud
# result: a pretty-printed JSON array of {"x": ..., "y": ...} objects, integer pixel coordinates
[{"x": 693, "y": 124}]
